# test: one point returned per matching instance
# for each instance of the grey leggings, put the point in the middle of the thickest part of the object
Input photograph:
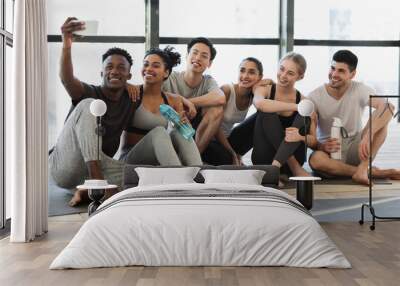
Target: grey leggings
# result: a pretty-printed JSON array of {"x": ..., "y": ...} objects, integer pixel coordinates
[
  {"x": 160, "y": 148},
  {"x": 269, "y": 143}
]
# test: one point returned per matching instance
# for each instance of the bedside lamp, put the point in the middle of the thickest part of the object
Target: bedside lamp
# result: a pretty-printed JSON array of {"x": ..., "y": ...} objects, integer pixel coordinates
[
  {"x": 98, "y": 108},
  {"x": 304, "y": 185},
  {"x": 97, "y": 188},
  {"x": 305, "y": 109}
]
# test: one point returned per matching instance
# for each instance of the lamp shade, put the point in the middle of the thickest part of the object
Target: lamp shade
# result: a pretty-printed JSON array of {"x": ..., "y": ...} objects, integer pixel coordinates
[
  {"x": 305, "y": 107},
  {"x": 98, "y": 107}
]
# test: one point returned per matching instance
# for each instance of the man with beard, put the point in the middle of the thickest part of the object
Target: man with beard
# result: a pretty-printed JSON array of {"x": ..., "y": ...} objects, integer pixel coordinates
[{"x": 344, "y": 98}]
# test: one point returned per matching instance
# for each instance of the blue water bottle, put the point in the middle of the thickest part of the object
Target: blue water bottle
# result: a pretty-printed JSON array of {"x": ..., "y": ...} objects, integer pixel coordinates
[{"x": 185, "y": 129}]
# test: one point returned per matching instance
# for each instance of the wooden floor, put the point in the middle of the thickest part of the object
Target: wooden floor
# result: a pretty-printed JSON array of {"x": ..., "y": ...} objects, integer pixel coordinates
[{"x": 374, "y": 255}]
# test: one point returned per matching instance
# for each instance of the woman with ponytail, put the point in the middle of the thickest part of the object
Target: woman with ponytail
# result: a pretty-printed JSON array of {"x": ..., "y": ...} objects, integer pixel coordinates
[
  {"x": 235, "y": 135},
  {"x": 277, "y": 137}
]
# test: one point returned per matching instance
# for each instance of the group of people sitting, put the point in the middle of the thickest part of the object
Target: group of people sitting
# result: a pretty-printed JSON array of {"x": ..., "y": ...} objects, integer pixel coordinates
[{"x": 224, "y": 133}]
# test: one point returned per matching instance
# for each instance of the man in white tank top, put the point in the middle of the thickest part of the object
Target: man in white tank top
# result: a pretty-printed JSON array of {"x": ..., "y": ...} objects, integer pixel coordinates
[{"x": 346, "y": 99}]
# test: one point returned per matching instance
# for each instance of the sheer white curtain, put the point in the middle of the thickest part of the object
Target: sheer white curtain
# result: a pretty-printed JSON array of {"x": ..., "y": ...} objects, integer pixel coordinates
[{"x": 27, "y": 123}]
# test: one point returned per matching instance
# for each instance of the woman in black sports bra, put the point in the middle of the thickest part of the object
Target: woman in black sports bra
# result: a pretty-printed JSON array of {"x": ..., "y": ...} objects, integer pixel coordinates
[
  {"x": 146, "y": 140},
  {"x": 277, "y": 139}
]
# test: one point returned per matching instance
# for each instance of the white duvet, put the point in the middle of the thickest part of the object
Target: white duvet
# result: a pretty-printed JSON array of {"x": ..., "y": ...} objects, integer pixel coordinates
[{"x": 206, "y": 230}]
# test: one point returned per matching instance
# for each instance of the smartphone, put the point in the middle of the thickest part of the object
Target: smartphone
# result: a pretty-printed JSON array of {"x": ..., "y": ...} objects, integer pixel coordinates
[{"x": 91, "y": 27}]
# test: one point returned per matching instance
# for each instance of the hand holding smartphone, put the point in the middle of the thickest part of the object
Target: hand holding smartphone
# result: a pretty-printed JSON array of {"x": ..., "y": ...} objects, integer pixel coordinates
[{"x": 90, "y": 28}]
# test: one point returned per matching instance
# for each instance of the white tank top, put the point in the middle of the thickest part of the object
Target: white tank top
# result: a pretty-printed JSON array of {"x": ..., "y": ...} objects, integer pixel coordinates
[{"x": 232, "y": 114}]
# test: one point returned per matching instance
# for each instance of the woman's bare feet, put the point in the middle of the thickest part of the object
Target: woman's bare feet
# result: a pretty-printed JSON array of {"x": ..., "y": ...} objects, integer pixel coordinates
[
  {"x": 296, "y": 168},
  {"x": 80, "y": 196}
]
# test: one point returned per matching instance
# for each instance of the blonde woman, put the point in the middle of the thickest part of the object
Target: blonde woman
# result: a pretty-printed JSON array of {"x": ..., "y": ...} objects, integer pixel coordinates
[{"x": 277, "y": 136}]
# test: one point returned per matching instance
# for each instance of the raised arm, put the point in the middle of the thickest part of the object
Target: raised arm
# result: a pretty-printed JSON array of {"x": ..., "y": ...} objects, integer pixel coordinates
[
  {"x": 73, "y": 86},
  {"x": 262, "y": 103}
]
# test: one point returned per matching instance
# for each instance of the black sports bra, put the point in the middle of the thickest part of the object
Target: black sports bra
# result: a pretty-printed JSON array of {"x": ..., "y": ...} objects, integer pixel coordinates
[{"x": 286, "y": 121}]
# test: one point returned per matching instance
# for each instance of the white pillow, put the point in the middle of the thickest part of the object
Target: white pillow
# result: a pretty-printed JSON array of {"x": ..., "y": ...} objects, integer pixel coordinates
[
  {"x": 164, "y": 176},
  {"x": 248, "y": 177}
]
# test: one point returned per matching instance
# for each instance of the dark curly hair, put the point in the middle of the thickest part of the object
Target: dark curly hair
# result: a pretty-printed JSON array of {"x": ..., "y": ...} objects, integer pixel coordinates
[
  {"x": 118, "y": 51},
  {"x": 168, "y": 55},
  {"x": 204, "y": 41}
]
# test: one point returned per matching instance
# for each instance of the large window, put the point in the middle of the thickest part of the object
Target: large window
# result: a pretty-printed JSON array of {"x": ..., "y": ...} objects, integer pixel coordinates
[
  {"x": 9, "y": 15},
  {"x": 347, "y": 19},
  {"x": 6, "y": 29},
  {"x": 369, "y": 28},
  {"x": 116, "y": 18},
  {"x": 222, "y": 19}
]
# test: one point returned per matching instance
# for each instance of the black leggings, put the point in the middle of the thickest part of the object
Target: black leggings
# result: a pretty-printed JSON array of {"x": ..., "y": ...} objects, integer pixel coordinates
[
  {"x": 241, "y": 140},
  {"x": 269, "y": 143}
]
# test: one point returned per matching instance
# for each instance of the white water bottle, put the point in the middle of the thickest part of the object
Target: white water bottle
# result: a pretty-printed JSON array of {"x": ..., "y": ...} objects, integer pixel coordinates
[{"x": 336, "y": 133}]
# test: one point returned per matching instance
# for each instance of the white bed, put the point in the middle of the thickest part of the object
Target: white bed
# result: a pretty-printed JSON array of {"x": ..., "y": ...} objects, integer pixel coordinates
[{"x": 201, "y": 224}]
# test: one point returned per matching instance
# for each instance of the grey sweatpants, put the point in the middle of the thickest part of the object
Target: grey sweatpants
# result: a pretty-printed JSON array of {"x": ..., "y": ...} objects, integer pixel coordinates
[
  {"x": 159, "y": 147},
  {"x": 76, "y": 145}
]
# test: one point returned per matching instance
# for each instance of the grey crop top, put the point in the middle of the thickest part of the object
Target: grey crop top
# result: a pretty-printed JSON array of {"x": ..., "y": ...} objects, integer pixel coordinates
[{"x": 144, "y": 120}]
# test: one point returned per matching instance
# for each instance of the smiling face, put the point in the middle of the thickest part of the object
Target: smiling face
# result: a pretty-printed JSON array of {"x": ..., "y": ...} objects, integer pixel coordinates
[
  {"x": 154, "y": 70},
  {"x": 288, "y": 73},
  {"x": 249, "y": 74},
  {"x": 116, "y": 72},
  {"x": 199, "y": 58},
  {"x": 340, "y": 75}
]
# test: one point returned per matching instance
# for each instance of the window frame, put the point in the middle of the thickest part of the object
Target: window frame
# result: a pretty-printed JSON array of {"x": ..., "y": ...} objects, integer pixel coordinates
[{"x": 6, "y": 39}]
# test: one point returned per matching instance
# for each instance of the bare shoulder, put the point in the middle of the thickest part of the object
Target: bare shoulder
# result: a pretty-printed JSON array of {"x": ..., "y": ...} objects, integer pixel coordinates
[{"x": 226, "y": 89}]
